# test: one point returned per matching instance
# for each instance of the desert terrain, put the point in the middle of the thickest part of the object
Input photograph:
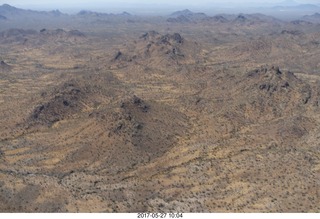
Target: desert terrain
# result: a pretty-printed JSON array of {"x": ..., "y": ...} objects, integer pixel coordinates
[{"x": 186, "y": 113}]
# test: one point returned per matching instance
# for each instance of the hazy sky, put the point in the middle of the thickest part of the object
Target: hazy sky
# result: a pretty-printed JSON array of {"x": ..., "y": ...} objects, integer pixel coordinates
[
  {"x": 113, "y": 5},
  {"x": 168, "y": 2}
]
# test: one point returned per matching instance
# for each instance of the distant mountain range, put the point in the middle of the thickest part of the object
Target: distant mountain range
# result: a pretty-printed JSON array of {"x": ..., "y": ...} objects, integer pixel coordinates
[
  {"x": 315, "y": 18},
  {"x": 97, "y": 14},
  {"x": 185, "y": 16},
  {"x": 289, "y": 3},
  {"x": 187, "y": 12},
  {"x": 8, "y": 10},
  {"x": 298, "y": 7}
]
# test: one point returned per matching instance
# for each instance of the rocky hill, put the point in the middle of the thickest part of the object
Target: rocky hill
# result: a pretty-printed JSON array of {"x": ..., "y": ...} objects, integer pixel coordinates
[
  {"x": 156, "y": 50},
  {"x": 315, "y": 18},
  {"x": 186, "y": 16},
  {"x": 31, "y": 37}
]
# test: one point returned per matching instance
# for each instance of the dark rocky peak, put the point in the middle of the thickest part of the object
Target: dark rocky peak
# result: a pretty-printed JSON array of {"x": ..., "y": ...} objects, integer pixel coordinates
[
  {"x": 168, "y": 39},
  {"x": 241, "y": 18},
  {"x": 266, "y": 71},
  {"x": 175, "y": 38},
  {"x": 63, "y": 102},
  {"x": 153, "y": 45},
  {"x": 125, "y": 14},
  {"x": 292, "y": 32},
  {"x": 140, "y": 103},
  {"x": 275, "y": 90},
  {"x": 150, "y": 35},
  {"x": 273, "y": 79},
  {"x": 135, "y": 103}
]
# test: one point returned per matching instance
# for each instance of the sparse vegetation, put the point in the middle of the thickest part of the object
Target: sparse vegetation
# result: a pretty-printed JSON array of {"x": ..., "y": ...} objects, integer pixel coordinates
[{"x": 100, "y": 113}]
